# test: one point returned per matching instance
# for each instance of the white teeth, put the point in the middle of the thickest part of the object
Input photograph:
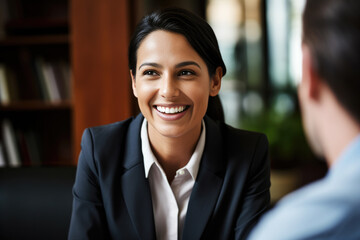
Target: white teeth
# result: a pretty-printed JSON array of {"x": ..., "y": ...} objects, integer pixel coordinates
[{"x": 170, "y": 110}]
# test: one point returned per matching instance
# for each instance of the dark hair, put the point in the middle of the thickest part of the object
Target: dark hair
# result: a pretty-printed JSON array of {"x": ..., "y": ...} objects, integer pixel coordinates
[
  {"x": 198, "y": 33},
  {"x": 331, "y": 30}
]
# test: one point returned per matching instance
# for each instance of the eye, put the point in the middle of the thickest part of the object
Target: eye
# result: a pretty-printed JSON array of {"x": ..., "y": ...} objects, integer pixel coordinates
[
  {"x": 150, "y": 73},
  {"x": 186, "y": 73}
]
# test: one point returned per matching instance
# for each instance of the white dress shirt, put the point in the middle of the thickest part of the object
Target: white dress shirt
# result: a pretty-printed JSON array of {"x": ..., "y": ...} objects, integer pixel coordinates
[{"x": 170, "y": 201}]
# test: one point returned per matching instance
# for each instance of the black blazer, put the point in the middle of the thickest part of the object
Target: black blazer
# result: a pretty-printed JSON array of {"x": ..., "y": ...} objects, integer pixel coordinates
[{"x": 112, "y": 198}]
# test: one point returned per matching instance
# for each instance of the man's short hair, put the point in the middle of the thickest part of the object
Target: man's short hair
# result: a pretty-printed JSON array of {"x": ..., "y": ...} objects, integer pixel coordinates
[{"x": 331, "y": 30}]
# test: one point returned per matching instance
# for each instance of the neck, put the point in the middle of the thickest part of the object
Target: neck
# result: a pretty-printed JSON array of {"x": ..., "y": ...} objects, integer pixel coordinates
[
  {"x": 338, "y": 129},
  {"x": 173, "y": 153}
]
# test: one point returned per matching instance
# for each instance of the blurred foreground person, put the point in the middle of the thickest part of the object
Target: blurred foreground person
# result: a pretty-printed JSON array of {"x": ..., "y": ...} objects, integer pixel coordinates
[{"x": 329, "y": 96}]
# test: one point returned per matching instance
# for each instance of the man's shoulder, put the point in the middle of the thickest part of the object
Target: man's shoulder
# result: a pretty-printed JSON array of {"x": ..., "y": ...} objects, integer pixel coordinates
[{"x": 318, "y": 210}]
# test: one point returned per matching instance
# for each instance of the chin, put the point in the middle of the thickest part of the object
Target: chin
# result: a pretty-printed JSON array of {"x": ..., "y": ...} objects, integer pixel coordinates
[{"x": 170, "y": 132}]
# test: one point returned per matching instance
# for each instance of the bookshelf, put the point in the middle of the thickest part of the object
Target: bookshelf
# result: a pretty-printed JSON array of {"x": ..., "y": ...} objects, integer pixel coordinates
[
  {"x": 64, "y": 66},
  {"x": 35, "y": 75}
]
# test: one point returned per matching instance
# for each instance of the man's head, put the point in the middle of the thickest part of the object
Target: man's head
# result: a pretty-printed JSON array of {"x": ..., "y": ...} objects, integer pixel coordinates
[{"x": 331, "y": 61}]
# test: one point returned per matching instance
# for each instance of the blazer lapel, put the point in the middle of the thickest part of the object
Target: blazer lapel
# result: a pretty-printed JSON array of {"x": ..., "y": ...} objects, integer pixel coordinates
[
  {"x": 207, "y": 185},
  {"x": 135, "y": 186}
]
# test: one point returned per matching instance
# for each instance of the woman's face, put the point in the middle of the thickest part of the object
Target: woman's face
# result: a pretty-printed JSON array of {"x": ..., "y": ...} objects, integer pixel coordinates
[{"x": 172, "y": 84}]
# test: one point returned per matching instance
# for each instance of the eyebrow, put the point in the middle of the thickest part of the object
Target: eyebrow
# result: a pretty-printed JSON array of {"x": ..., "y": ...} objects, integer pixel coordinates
[
  {"x": 179, "y": 65},
  {"x": 150, "y": 64},
  {"x": 187, "y": 63}
]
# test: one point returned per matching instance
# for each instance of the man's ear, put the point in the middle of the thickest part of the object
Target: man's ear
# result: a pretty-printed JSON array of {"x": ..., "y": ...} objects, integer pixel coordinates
[
  {"x": 310, "y": 79},
  {"x": 215, "y": 83},
  {"x": 133, "y": 83}
]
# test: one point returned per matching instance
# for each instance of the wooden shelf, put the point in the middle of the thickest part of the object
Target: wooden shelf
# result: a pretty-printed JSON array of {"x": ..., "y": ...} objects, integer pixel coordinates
[
  {"x": 36, "y": 105},
  {"x": 38, "y": 22},
  {"x": 35, "y": 40},
  {"x": 37, "y": 34},
  {"x": 36, "y": 26}
]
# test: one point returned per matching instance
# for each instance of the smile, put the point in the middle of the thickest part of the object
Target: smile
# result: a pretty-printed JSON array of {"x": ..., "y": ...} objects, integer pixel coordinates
[{"x": 171, "y": 110}]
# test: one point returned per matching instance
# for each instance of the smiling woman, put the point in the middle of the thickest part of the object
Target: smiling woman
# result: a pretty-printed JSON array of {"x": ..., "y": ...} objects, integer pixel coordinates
[
  {"x": 172, "y": 76},
  {"x": 172, "y": 172}
]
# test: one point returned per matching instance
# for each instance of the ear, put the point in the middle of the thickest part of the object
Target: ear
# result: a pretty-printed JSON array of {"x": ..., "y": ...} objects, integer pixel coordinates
[
  {"x": 311, "y": 82},
  {"x": 133, "y": 83},
  {"x": 215, "y": 83}
]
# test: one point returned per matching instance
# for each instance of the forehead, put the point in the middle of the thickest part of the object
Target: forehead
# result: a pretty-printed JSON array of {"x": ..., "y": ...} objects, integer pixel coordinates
[{"x": 166, "y": 46}]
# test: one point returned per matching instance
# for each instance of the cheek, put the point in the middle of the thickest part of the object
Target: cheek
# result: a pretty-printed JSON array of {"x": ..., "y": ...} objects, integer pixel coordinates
[
  {"x": 145, "y": 93},
  {"x": 200, "y": 97}
]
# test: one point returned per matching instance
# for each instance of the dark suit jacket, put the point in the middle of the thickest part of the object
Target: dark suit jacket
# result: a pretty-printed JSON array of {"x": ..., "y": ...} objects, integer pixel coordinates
[{"x": 112, "y": 198}]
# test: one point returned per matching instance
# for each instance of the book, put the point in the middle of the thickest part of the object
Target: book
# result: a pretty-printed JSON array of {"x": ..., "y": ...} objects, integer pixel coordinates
[
  {"x": 66, "y": 70},
  {"x": 44, "y": 92},
  {"x": 3, "y": 17},
  {"x": 13, "y": 85},
  {"x": 51, "y": 78},
  {"x": 10, "y": 144},
  {"x": 14, "y": 9},
  {"x": 4, "y": 88},
  {"x": 48, "y": 76},
  {"x": 2, "y": 156},
  {"x": 28, "y": 90},
  {"x": 62, "y": 77}
]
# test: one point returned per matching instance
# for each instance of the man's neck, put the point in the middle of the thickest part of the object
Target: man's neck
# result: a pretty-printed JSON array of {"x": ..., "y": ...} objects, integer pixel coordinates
[{"x": 338, "y": 131}]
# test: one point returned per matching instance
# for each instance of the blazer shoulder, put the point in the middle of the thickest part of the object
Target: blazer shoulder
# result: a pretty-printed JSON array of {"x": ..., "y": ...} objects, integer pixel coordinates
[
  {"x": 111, "y": 129},
  {"x": 114, "y": 130},
  {"x": 244, "y": 137},
  {"x": 234, "y": 140},
  {"x": 105, "y": 147},
  {"x": 250, "y": 147},
  {"x": 107, "y": 138}
]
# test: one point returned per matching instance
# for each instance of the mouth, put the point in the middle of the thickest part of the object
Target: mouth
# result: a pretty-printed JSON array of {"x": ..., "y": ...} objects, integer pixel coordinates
[{"x": 171, "y": 110}]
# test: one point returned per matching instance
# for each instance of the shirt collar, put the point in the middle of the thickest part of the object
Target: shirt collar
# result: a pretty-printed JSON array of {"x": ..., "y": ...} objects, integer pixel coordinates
[
  {"x": 349, "y": 158},
  {"x": 149, "y": 158}
]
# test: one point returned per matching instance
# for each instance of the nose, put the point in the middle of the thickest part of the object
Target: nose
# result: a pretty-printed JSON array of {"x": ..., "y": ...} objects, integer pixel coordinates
[{"x": 169, "y": 88}]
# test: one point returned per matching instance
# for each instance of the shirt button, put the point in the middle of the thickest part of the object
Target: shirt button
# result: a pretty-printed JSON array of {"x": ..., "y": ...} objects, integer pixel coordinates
[{"x": 181, "y": 172}]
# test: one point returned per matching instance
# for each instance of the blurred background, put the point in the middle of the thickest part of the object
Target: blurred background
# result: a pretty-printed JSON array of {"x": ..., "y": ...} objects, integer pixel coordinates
[{"x": 63, "y": 67}]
